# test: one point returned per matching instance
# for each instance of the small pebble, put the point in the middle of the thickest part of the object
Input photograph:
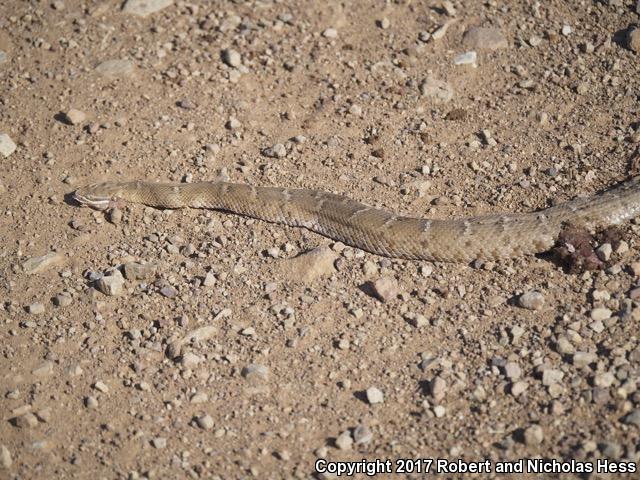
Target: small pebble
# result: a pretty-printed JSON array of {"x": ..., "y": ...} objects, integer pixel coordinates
[
  {"x": 116, "y": 68},
  {"x": 374, "y": 395},
  {"x": 467, "y": 58},
  {"x": 255, "y": 371},
  {"x": 139, "y": 271},
  {"x": 101, "y": 387},
  {"x": 533, "y": 435},
  {"x": 7, "y": 145},
  {"x": 36, "y": 308},
  {"x": 233, "y": 123},
  {"x": 44, "y": 369},
  {"x": 144, "y": 8},
  {"x": 600, "y": 314},
  {"x": 362, "y": 434},
  {"x": 633, "y": 39},
  {"x": 512, "y": 371},
  {"x": 111, "y": 284},
  {"x": 487, "y": 38},
  {"x": 344, "y": 441},
  {"x": 437, "y": 90},
  {"x": 276, "y": 151},
  {"x": 205, "y": 422},
  {"x": 583, "y": 359},
  {"x": 91, "y": 402},
  {"x": 384, "y": 289},
  {"x": 438, "y": 388},
  {"x": 28, "y": 420},
  {"x": 159, "y": 442},
  {"x": 330, "y": 33},
  {"x": 440, "y": 32},
  {"x": 532, "y": 300},
  {"x": 632, "y": 418},
  {"x": 168, "y": 291},
  {"x": 74, "y": 116},
  {"x": 439, "y": 411},
  {"x": 231, "y": 57},
  {"x": 5, "y": 458},
  {"x": 551, "y": 376}
]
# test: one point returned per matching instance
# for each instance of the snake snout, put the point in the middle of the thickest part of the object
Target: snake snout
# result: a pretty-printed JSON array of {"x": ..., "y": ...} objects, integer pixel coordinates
[{"x": 93, "y": 202}]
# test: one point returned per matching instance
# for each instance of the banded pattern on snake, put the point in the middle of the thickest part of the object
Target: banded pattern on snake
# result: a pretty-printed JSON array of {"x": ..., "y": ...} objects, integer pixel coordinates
[{"x": 378, "y": 231}]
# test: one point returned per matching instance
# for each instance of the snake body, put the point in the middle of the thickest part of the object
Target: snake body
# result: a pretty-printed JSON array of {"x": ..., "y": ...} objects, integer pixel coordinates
[{"x": 378, "y": 231}]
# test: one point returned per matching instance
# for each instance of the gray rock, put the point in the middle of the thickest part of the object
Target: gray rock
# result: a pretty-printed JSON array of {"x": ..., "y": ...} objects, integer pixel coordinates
[
  {"x": 632, "y": 418},
  {"x": 91, "y": 402},
  {"x": 7, "y": 146},
  {"x": 62, "y": 300},
  {"x": 486, "y": 38},
  {"x": 611, "y": 450},
  {"x": 111, "y": 284},
  {"x": 277, "y": 151},
  {"x": 168, "y": 291},
  {"x": 604, "y": 252},
  {"x": 43, "y": 370},
  {"x": 384, "y": 289},
  {"x": 3, "y": 57},
  {"x": 437, "y": 90},
  {"x": 143, "y": 8},
  {"x": 139, "y": 271},
  {"x": 116, "y": 68},
  {"x": 40, "y": 264}
]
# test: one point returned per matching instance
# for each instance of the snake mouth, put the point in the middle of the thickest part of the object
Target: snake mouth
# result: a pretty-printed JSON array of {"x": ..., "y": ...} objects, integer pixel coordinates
[{"x": 96, "y": 203}]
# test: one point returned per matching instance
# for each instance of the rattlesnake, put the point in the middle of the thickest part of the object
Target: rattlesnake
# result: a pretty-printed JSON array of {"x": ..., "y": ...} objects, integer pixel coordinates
[{"x": 378, "y": 231}]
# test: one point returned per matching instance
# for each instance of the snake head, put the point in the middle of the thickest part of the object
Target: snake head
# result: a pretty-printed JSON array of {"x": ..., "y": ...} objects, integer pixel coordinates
[{"x": 100, "y": 196}]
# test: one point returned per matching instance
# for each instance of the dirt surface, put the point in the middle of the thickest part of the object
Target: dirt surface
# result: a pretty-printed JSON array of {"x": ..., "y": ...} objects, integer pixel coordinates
[{"x": 221, "y": 353}]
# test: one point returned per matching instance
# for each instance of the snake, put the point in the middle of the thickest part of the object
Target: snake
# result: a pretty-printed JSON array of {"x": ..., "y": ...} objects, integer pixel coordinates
[{"x": 485, "y": 237}]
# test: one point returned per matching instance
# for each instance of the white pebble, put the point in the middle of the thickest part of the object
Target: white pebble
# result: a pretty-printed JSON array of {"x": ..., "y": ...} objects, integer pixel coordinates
[
  {"x": 374, "y": 395},
  {"x": 7, "y": 146},
  {"x": 330, "y": 33}
]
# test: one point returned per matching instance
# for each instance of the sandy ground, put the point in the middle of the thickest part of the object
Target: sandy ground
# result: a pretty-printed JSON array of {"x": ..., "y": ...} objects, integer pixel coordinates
[{"x": 221, "y": 354}]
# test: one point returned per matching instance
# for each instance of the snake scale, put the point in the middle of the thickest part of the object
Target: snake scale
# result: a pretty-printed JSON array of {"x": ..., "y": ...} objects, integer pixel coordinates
[{"x": 378, "y": 231}]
